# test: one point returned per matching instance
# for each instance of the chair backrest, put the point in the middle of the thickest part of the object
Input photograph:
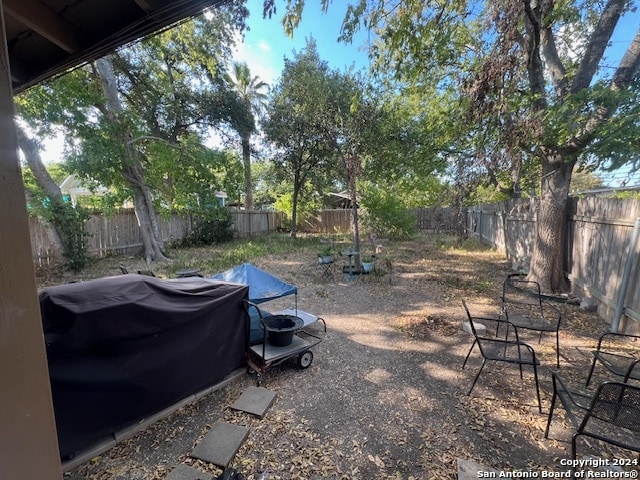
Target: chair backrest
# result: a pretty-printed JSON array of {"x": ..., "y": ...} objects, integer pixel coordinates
[
  {"x": 633, "y": 372},
  {"x": 517, "y": 291},
  {"x": 616, "y": 403},
  {"x": 470, "y": 318}
]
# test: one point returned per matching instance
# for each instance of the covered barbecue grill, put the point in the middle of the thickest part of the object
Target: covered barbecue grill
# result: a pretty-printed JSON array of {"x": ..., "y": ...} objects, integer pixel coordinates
[{"x": 123, "y": 348}]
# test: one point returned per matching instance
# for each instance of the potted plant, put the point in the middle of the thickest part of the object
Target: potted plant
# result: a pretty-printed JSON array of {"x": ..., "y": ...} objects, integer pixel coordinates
[
  {"x": 367, "y": 264},
  {"x": 325, "y": 255}
]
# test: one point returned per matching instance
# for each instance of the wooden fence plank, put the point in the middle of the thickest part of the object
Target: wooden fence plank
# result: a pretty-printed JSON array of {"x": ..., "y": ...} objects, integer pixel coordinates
[{"x": 598, "y": 234}]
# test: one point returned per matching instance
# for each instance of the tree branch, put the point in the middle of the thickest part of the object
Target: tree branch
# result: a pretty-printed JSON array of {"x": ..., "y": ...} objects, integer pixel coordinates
[
  {"x": 597, "y": 44},
  {"x": 626, "y": 71},
  {"x": 629, "y": 65},
  {"x": 550, "y": 52},
  {"x": 535, "y": 68}
]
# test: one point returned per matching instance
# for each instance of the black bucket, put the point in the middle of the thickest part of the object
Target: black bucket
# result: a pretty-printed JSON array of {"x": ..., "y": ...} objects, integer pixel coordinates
[{"x": 281, "y": 329}]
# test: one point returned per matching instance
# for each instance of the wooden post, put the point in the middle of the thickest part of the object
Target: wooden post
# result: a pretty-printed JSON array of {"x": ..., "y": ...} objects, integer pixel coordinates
[{"x": 28, "y": 441}]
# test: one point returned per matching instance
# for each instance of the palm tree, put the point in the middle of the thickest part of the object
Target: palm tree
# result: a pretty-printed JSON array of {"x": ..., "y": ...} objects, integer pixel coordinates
[{"x": 248, "y": 89}]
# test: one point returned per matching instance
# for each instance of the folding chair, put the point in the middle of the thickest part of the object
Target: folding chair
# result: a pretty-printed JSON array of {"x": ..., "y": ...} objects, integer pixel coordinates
[
  {"x": 326, "y": 264},
  {"x": 608, "y": 354},
  {"x": 501, "y": 350},
  {"x": 611, "y": 415},
  {"x": 523, "y": 307}
]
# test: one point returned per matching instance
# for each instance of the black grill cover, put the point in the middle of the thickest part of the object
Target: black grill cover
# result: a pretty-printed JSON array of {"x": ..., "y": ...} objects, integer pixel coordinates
[{"x": 122, "y": 348}]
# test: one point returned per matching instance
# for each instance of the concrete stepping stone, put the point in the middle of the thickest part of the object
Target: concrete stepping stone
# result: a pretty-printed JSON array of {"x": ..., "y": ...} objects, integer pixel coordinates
[
  {"x": 220, "y": 445},
  {"x": 468, "y": 469},
  {"x": 185, "y": 472},
  {"x": 255, "y": 400}
]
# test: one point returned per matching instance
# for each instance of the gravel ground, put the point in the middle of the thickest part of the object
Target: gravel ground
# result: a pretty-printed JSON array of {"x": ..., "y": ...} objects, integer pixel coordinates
[{"x": 385, "y": 397}]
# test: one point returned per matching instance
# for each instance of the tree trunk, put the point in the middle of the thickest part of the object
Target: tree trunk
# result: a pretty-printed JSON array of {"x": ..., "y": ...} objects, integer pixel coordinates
[
  {"x": 294, "y": 205},
  {"x": 153, "y": 249},
  {"x": 548, "y": 259},
  {"x": 248, "y": 182},
  {"x": 355, "y": 219},
  {"x": 31, "y": 152},
  {"x": 132, "y": 169},
  {"x": 353, "y": 168}
]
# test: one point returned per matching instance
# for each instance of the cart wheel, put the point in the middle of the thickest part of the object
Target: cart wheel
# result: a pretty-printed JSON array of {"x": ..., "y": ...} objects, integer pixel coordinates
[
  {"x": 305, "y": 359},
  {"x": 258, "y": 380}
]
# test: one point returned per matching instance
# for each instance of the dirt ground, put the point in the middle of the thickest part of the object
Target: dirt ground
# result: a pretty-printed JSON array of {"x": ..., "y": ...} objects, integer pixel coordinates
[{"x": 385, "y": 397}]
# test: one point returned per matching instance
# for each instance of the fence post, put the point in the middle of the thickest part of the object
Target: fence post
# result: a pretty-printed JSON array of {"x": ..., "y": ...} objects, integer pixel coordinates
[{"x": 624, "y": 284}]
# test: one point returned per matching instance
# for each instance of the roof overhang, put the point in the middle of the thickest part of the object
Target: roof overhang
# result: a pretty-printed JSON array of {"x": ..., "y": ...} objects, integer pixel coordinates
[{"x": 48, "y": 37}]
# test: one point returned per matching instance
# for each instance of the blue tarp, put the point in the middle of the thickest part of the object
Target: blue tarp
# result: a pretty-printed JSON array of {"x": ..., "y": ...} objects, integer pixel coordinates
[{"x": 262, "y": 287}]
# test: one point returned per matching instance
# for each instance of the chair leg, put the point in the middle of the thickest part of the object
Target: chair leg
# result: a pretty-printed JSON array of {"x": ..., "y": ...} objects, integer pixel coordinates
[
  {"x": 593, "y": 366},
  {"x": 470, "y": 350},
  {"x": 553, "y": 406},
  {"x": 535, "y": 376},
  {"x": 574, "y": 440},
  {"x": 477, "y": 375},
  {"x": 520, "y": 363},
  {"x": 557, "y": 349}
]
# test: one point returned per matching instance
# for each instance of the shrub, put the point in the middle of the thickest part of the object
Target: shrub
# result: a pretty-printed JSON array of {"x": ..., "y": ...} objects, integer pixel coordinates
[
  {"x": 387, "y": 216},
  {"x": 209, "y": 231}
]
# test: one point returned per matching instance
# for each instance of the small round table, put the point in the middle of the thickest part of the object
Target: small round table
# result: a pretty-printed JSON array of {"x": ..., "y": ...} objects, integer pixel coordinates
[{"x": 350, "y": 254}]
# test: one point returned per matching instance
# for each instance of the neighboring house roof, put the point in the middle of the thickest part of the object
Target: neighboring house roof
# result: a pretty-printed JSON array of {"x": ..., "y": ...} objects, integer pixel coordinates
[
  {"x": 341, "y": 199},
  {"x": 74, "y": 187}
]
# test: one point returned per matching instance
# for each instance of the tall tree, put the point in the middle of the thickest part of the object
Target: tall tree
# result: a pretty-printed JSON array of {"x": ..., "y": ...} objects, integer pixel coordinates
[
  {"x": 63, "y": 222},
  {"x": 535, "y": 77},
  {"x": 250, "y": 90},
  {"x": 356, "y": 135},
  {"x": 137, "y": 120},
  {"x": 132, "y": 164},
  {"x": 298, "y": 119}
]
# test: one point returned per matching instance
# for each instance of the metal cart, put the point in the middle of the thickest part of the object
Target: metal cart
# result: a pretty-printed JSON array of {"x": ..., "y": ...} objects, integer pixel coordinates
[{"x": 268, "y": 353}]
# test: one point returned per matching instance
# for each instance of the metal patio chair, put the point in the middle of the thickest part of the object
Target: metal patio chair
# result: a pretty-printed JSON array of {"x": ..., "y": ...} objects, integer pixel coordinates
[
  {"x": 523, "y": 307},
  {"x": 501, "y": 350},
  {"x": 608, "y": 353},
  {"x": 611, "y": 415}
]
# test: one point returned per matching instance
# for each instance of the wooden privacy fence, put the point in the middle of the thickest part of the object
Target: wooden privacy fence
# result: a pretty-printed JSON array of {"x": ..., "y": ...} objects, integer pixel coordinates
[
  {"x": 437, "y": 219},
  {"x": 120, "y": 233},
  {"x": 329, "y": 221},
  {"x": 602, "y": 248}
]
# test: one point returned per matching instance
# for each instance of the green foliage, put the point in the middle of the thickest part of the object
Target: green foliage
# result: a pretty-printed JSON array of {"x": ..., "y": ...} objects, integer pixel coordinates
[
  {"x": 386, "y": 215},
  {"x": 172, "y": 91},
  {"x": 300, "y": 118},
  {"x": 306, "y": 208},
  {"x": 240, "y": 250},
  {"x": 70, "y": 223},
  {"x": 68, "y": 220},
  {"x": 627, "y": 195},
  {"x": 215, "y": 228},
  {"x": 584, "y": 180}
]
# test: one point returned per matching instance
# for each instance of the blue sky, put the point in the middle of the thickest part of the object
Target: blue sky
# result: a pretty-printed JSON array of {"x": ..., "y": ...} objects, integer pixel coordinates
[{"x": 266, "y": 44}]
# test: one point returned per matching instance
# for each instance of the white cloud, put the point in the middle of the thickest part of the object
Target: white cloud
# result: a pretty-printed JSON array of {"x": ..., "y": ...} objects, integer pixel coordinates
[
  {"x": 259, "y": 57},
  {"x": 264, "y": 46}
]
